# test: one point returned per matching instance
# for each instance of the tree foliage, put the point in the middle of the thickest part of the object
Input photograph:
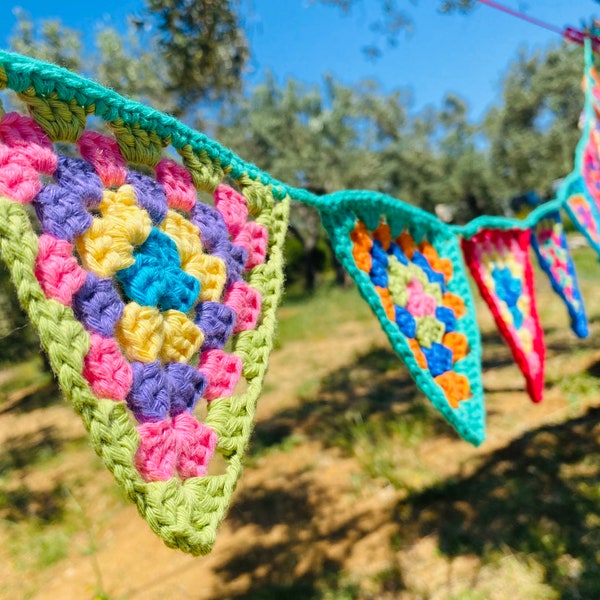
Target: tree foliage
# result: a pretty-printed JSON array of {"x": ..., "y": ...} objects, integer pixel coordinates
[
  {"x": 203, "y": 46},
  {"x": 178, "y": 53},
  {"x": 393, "y": 18},
  {"x": 534, "y": 130},
  {"x": 173, "y": 55},
  {"x": 48, "y": 40}
]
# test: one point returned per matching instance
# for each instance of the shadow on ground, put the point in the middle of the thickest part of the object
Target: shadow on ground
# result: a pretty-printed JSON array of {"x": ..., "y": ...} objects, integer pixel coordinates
[
  {"x": 374, "y": 387},
  {"x": 19, "y": 500},
  {"x": 304, "y": 559},
  {"x": 539, "y": 497}
]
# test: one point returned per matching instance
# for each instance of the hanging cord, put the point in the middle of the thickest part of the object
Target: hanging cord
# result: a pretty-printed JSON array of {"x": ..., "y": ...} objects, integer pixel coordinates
[{"x": 569, "y": 33}]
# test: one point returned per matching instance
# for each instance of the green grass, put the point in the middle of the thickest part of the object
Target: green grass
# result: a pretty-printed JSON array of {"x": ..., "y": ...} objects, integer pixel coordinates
[
  {"x": 305, "y": 317},
  {"x": 579, "y": 386},
  {"x": 586, "y": 264},
  {"x": 23, "y": 375}
]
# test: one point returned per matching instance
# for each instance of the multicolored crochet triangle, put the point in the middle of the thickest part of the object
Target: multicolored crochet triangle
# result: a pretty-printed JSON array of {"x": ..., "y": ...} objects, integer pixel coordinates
[
  {"x": 408, "y": 267},
  {"x": 549, "y": 242},
  {"x": 500, "y": 265},
  {"x": 153, "y": 285}
]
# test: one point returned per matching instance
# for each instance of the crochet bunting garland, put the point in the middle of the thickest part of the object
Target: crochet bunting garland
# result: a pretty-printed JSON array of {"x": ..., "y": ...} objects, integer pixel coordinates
[{"x": 153, "y": 283}]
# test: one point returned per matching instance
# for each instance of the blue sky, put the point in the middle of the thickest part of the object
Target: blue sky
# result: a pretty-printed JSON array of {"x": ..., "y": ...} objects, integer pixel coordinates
[{"x": 463, "y": 54}]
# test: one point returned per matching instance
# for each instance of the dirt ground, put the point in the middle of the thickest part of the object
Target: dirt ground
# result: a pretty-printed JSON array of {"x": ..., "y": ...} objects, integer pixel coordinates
[{"x": 311, "y": 519}]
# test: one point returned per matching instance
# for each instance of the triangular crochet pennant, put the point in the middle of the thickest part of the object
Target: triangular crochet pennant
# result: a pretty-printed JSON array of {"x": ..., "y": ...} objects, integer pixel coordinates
[
  {"x": 588, "y": 154},
  {"x": 579, "y": 194},
  {"x": 408, "y": 267},
  {"x": 499, "y": 262},
  {"x": 550, "y": 244},
  {"x": 591, "y": 165},
  {"x": 152, "y": 284},
  {"x": 582, "y": 210}
]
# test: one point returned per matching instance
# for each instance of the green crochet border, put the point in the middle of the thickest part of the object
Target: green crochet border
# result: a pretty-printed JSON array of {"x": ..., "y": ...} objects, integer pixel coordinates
[{"x": 184, "y": 514}]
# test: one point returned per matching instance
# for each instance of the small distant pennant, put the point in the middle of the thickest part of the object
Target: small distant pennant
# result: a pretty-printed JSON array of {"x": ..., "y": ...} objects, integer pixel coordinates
[{"x": 499, "y": 262}]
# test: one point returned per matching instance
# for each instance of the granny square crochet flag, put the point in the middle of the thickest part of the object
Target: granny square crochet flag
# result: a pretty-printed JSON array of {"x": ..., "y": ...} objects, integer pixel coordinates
[
  {"x": 408, "y": 267},
  {"x": 499, "y": 262},
  {"x": 153, "y": 286},
  {"x": 550, "y": 244}
]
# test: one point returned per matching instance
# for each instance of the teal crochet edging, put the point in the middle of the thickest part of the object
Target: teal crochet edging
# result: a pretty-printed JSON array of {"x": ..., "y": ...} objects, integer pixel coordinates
[{"x": 340, "y": 211}]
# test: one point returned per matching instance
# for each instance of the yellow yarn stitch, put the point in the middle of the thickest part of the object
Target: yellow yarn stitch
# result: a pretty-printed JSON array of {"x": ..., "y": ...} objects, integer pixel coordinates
[
  {"x": 429, "y": 330},
  {"x": 210, "y": 270},
  {"x": 182, "y": 338},
  {"x": 185, "y": 235},
  {"x": 212, "y": 273},
  {"x": 101, "y": 252},
  {"x": 107, "y": 246},
  {"x": 140, "y": 332},
  {"x": 433, "y": 289}
]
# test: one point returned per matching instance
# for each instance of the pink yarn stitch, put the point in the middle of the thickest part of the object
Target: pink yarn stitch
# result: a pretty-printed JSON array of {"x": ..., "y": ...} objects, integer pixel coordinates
[
  {"x": 156, "y": 455},
  {"x": 106, "y": 370},
  {"x": 178, "y": 184},
  {"x": 419, "y": 303},
  {"x": 18, "y": 179},
  {"x": 222, "y": 372},
  {"x": 245, "y": 302},
  {"x": 57, "y": 270},
  {"x": 103, "y": 152},
  {"x": 233, "y": 208},
  {"x": 25, "y": 136},
  {"x": 253, "y": 237},
  {"x": 196, "y": 443}
]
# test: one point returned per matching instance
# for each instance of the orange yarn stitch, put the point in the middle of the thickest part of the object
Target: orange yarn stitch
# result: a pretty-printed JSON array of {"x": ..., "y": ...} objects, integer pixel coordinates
[
  {"x": 456, "y": 303},
  {"x": 456, "y": 387},
  {"x": 457, "y": 342},
  {"x": 406, "y": 242},
  {"x": 388, "y": 303},
  {"x": 416, "y": 350},
  {"x": 383, "y": 234},
  {"x": 362, "y": 247}
]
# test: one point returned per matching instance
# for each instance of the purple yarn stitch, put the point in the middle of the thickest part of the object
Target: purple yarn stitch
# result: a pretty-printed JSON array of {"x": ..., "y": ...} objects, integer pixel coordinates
[
  {"x": 148, "y": 398},
  {"x": 79, "y": 178},
  {"x": 61, "y": 213},
  {"x": 186, "y": 385},
  {"x": 98, "y": 305},
  {"x": 234, "y": 258},
  {"x": 213, "y": 231},
  {"x": 150, "y": 195},
  {"x": 216, "y": 322}
]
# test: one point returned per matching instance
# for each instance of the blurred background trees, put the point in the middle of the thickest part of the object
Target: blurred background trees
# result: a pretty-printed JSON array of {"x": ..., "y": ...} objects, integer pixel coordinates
[{"x": 189, "y": 59}]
